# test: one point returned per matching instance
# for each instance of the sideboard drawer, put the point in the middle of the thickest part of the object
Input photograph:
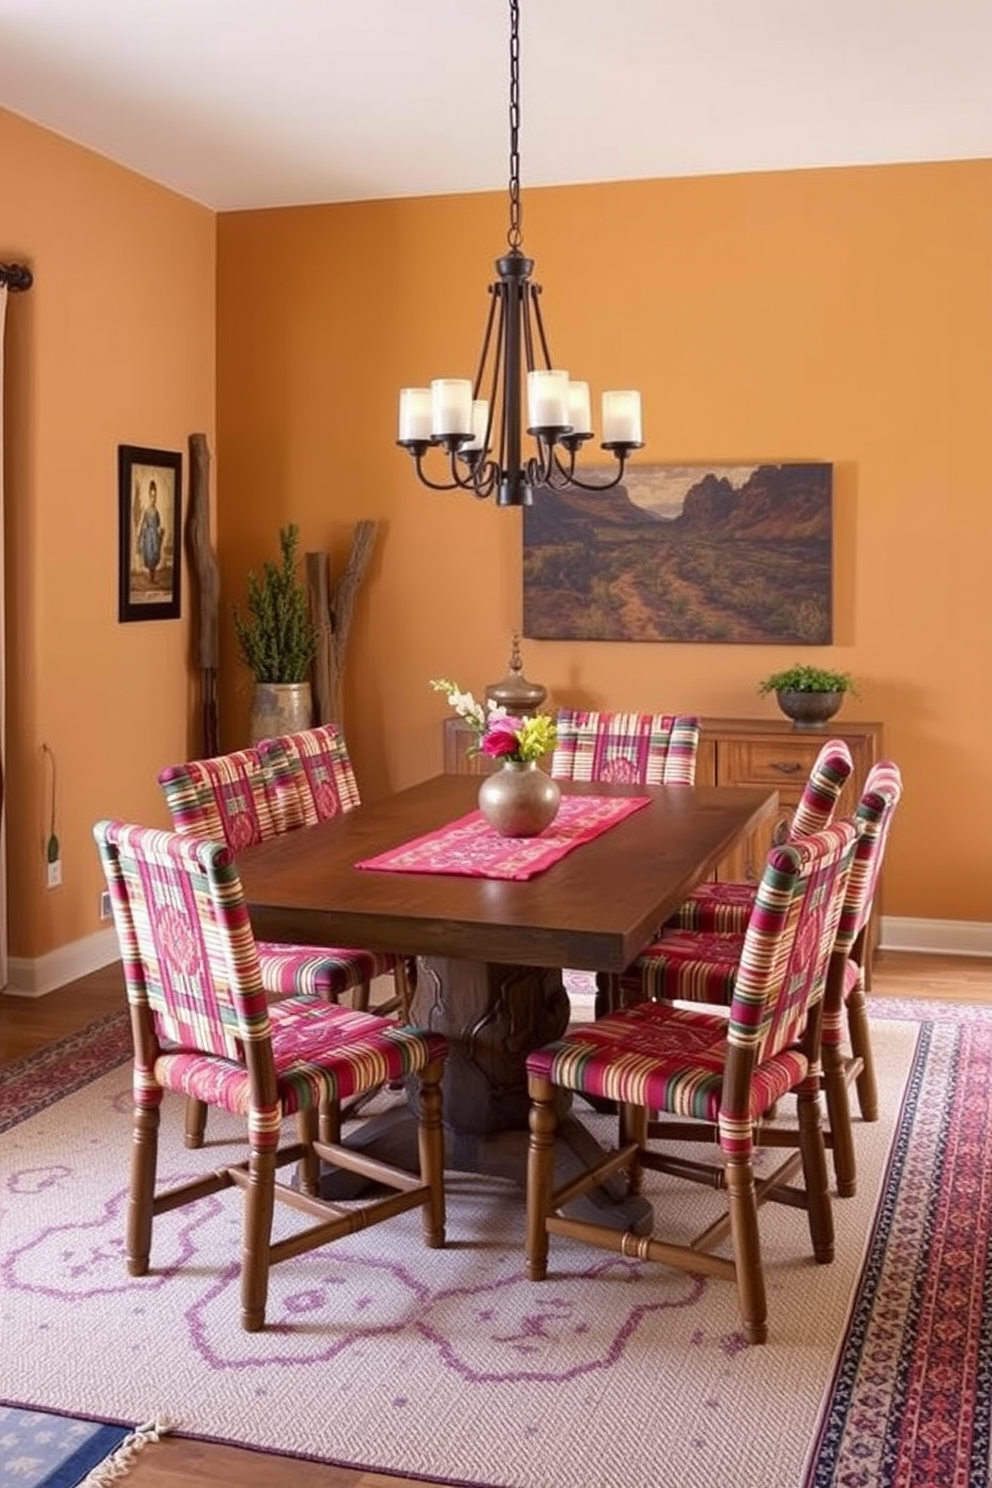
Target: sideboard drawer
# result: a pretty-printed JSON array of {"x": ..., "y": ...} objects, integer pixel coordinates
[{"x": 768, "y": 762}]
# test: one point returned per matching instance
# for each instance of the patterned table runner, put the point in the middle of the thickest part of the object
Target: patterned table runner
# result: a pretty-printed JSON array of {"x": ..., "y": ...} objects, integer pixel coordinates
[{"x": 470, "y": 847}]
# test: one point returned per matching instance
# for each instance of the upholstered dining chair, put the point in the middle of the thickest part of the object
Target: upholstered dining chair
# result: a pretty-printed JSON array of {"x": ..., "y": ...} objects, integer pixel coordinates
[
  {"x": 230, "y": 798},
  {"x": 727, "y": 906},
  {"x": 638, "y": 748},
  {"x": 312, "y": 780},
  {"x": 632, "y": 748},
  {"x": 203, "y": 1026},
  {"x": 846, "y": 1002},
  {"x": 687, "y": 1076},
  {"x": 312, "y": 775},
  {"x": 703, "y": 966}
]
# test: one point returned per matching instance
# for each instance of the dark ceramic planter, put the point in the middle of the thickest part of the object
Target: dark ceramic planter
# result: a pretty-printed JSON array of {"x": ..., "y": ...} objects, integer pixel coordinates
[{"x": 809, "y": 709}]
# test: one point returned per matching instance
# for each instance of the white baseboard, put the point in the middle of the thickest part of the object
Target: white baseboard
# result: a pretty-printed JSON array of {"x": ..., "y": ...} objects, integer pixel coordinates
[
  {"x": 27, "y": 978},
  {"x": 945, "y": 937}
]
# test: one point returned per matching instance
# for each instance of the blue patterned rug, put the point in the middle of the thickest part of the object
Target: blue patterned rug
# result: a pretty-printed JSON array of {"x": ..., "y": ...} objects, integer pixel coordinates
[{"x": 38, "y": 1450}]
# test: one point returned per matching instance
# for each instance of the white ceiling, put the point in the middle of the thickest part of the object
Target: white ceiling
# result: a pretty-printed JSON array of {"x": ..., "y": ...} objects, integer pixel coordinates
[{"x": 253, "y": 103}]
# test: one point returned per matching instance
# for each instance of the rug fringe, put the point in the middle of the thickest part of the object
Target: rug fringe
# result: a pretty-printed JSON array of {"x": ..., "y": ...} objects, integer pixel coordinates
[{"x": 120, "y": 1462}]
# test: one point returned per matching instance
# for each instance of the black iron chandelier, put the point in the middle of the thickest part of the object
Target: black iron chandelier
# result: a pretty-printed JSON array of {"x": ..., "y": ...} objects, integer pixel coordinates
[{"x": 480, "y": 434}]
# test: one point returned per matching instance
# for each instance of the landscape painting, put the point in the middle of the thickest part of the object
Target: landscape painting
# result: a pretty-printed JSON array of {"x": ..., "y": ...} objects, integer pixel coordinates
[{"x": 730, "y": 554}]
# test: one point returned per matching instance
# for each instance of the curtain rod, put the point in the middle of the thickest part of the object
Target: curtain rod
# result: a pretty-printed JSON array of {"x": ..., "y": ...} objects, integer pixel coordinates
[{"x": 16, "y": 276}]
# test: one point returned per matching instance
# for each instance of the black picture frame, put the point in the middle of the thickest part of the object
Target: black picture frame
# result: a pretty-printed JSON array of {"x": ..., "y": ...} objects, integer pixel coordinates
[{"x": 149, "y": 485}]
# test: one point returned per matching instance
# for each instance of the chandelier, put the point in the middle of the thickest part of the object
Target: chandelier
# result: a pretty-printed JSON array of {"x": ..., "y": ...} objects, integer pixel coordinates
[{"x": 479, "y": 425}]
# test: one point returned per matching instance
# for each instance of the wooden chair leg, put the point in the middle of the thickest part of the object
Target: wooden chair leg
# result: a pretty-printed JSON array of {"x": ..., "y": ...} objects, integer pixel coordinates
[
  {"x": 259, "y": 1202},
  {"x": 141, "y": 1199},
  {"x": 739, "y": 1177},
  {"x": 633, "y": 1127},
  {"x": 196, "y": 1122},
  {"x": 540, "y": 1173},
  {"x": 814, "y": 1155},
  {"x": 360, "y": 997},
  {"x": 404, "y": 980},
  {"x": 430, "y": 1139},
  {"x": 607, "y": 993},
  {"x": 839, "y": 1121},
  {"x": 329, "y": 1125},
  {"x": 860, "y": 1037},
  {"x": 309, "y": 1167}
]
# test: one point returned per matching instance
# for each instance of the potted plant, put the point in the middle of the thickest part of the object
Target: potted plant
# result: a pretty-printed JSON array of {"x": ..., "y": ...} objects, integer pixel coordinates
[
  {"x": 809, "y": 695},
  {"x": 277, "y": 641}
]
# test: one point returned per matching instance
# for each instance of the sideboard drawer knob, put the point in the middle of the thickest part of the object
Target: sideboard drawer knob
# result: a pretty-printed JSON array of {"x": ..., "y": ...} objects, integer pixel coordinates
[{"x": 787, "y": 767}]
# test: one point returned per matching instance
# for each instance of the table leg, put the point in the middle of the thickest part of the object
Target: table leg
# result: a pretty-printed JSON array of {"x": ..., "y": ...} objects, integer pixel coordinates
[{"x": 492, "y": 1016}]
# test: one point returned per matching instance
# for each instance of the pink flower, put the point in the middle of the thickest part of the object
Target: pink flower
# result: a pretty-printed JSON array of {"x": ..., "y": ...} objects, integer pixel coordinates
[{"x": 501, "y": 738}]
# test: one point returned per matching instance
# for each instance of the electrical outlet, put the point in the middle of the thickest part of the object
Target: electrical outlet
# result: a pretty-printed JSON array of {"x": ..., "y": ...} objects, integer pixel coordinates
[
  {"x": 106, "y": 913},
  {"x": 54, "y": 873}
]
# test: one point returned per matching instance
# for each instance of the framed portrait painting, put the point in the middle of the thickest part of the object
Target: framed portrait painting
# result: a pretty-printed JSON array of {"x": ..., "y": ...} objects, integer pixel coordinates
[{"x": 150, "y": 524}]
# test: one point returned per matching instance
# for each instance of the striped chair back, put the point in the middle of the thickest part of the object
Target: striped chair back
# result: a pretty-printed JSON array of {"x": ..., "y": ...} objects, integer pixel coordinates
[
  {"x": 633, "y": 748},
  {"x": 190, "y": 962},
  {"x": 225, "y": 799},
  {"x": 879, "y": 799},
  {"x": 311, "y": 775},
  {"x": 827, "y": 779},
  {"x": 787, "y": 947}
]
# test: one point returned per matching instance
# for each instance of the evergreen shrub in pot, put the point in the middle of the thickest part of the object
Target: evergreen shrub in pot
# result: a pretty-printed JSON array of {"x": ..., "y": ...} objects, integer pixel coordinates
[{"x": 277, "y": 642}]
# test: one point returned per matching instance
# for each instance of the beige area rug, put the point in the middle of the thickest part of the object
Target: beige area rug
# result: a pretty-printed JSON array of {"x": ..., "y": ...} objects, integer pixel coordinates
[{"x": 381, "y": 1354}]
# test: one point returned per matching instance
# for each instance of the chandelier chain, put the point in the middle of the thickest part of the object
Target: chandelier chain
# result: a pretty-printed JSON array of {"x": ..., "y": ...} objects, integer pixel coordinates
[
  {"x": 514, "y": 235},
  {"x": 479, "y": 425}
]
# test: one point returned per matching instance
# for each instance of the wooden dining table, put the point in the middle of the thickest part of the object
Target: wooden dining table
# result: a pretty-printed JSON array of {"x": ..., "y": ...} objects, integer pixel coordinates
[{"x": 490, "y": 952}]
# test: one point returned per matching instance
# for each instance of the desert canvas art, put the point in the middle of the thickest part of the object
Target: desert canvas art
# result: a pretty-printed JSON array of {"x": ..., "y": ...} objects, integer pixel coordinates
[{"x": 731, "y": 554}]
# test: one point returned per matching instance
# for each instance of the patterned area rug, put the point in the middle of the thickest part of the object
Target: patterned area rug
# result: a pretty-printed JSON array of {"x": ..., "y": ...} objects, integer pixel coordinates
[
  {"x": 382, "y": 1355},
  {"x": 45, "y": 1451}
]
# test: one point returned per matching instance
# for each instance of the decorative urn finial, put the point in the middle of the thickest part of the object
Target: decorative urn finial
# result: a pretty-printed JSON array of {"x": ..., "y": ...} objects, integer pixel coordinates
[{"x": 514, "y": 692}]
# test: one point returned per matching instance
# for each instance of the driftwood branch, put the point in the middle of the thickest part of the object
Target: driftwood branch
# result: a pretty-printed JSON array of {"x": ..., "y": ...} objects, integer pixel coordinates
[
  {"x": 331, "y": 608},
  {"x": 207, "y": 588}
]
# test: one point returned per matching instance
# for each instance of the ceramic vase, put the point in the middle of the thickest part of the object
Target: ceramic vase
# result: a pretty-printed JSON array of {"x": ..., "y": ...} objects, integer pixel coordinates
[{"x": 519, "y": 800}]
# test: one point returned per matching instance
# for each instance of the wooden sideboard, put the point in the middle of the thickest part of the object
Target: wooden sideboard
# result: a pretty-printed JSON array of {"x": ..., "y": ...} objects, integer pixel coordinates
[
  {"x": 458, "y": 738},
  {"x": 742, "y": 751},
  {"x": 773, "y": 752}
]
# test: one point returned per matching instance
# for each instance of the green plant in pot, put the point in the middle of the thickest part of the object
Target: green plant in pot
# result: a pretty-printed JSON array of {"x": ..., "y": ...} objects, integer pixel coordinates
[
  {"x": 809, "y": 695},
  {"x": 277, "y": 641}
]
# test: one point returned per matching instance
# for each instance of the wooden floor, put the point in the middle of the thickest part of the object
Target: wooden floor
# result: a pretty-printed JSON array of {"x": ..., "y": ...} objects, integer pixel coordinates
[{"x": 27, "y": 1024}]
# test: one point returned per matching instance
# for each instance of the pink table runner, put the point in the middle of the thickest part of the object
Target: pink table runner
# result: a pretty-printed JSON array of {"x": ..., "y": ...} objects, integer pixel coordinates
[{"x": 470, "y": 847}]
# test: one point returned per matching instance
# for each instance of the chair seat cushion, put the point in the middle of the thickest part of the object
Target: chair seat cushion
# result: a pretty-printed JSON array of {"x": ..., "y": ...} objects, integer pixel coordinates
[
  {"x": 321, "y": 1052},
  {"x": 321, "y": 971},
  {"x": 685, "y": 966},
  {"x": 724, "y": 907},
  {"x": 668, "y": 1059}
]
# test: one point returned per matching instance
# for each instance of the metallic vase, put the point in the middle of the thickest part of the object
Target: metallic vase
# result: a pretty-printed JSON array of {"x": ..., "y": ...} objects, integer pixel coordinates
[
  {"x": 519, "y": 800},
  {"x": 279, "y": 708}
]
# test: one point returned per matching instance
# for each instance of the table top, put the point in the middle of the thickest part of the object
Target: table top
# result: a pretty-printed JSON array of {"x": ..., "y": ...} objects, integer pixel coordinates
[{"x": 594, "y": 910}]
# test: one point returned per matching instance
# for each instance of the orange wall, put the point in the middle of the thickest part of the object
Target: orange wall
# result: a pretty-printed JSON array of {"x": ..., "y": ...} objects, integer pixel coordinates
[
  {"x": 841, "y": 315},
  {"x": 113, "y": 345}
]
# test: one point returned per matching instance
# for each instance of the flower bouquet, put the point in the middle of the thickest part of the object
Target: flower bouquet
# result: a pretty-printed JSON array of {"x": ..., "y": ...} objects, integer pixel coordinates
[
  {"x": 519, "y": 800},
  {"x": 499, "y": 734}
]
